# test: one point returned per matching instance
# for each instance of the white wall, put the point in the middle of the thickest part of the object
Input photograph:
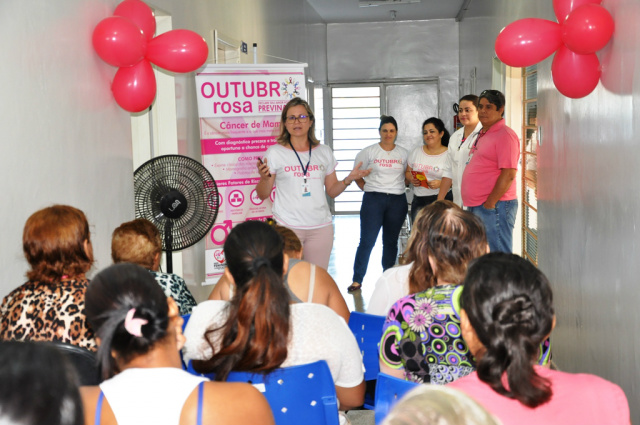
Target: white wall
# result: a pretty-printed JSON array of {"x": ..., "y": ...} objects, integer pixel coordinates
[
  {"x": 588, "y": 169},
  {"x": 397, "y": 50},
  {"x": 65, "y": 139}
]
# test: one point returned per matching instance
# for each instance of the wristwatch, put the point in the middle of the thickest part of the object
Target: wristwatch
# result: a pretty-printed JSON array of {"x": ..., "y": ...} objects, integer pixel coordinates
[{"x": 345, "y": 182}]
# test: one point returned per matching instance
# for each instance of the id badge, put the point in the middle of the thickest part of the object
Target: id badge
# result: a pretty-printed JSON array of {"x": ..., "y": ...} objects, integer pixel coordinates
[{"x": 306, "y": 189}]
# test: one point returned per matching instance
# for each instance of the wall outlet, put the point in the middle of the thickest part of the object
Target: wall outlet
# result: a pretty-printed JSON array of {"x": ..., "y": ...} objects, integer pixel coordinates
[{"x": 244, "y": 48}]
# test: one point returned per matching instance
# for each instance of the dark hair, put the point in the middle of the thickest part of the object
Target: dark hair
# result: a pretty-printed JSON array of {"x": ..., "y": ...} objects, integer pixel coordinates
[
  {"x": 111, "y": 295},
  {"x": 470, "y": 98},
  {"x": 137, "y": 242},
  {"x": 53, "y": 242},
  {"x": 439, "y": 125},
  {"x": 284, "y": 137},
  {"x": 451, "y": 236},
  {"x": 292, "y": 243},
  {"x": 254, "y": 337},
  {"x": 387, "y": 119},
  {"x": 510, "y": 306},
  {"x": 39, "y": 385},
  {"x": 494, "y": 97}
]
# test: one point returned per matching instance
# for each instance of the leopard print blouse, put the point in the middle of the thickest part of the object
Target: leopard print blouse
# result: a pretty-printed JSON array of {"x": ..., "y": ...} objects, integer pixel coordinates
[{"x": 47, "y": 312}]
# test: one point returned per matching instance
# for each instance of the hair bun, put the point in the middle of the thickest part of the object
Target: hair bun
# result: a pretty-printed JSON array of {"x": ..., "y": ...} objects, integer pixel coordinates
[{"x": 518, "y": 311}]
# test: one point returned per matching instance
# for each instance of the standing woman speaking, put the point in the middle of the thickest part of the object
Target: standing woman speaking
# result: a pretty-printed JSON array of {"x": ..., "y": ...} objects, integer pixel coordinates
[
  {"x": 302, "y": 169},
  {"x": 384, "y": 203}
]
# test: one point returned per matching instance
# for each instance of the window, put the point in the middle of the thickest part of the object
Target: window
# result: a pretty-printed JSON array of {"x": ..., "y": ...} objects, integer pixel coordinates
[
  {"x": 355, "y": 120},
  {"x": 530, "y": 164}
]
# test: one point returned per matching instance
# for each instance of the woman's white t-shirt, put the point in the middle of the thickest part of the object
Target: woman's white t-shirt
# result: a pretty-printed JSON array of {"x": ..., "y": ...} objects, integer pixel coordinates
[
  {"x": 292, "y": 206},
  {"x": 457, "y": 158},
  {"x": 388, "y": 167},
  {"x": 430, "y": 165}
]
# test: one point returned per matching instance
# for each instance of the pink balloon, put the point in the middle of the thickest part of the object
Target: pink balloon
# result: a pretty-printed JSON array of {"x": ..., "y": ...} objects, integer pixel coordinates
[
  {"x": 575, "y": 75},
  {"x": 564, "y": 7},
  {"x": 178, "y": 51},
  {"x": 119, "y": 42},
  {"x": 140, "y": 14},
  {"x": 528, "y": 41},
  {"x": 134, "y": 88},
  {"x": 587, "y": 29}
]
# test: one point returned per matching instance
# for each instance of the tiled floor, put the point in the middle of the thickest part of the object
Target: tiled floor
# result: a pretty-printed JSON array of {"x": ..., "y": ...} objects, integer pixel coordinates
[{"x": 346, "y": 239}]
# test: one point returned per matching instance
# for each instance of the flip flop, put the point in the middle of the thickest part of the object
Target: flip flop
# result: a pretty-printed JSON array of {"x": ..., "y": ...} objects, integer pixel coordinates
[{"x": 355, "y": 286}]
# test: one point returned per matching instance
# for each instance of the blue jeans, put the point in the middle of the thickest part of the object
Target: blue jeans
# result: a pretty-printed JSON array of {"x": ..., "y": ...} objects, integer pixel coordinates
[
  {"x": 498, "y": 224},
  {"x": 379, "y": 210}
]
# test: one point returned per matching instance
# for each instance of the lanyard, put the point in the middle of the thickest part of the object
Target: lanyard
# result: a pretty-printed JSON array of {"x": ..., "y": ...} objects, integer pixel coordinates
[{"x": 304, "y": 169}]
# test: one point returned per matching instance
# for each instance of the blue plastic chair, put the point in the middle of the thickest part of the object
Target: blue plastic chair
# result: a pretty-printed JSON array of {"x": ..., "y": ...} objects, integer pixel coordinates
[
  {"x": 388, "y": 391},
  {"x": 367, "y": 328},
  {"x": 303, "y": 394}
]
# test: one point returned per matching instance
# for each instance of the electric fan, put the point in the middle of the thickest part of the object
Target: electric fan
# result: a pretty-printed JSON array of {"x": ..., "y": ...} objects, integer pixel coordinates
[{"x": 179, "y": 196}]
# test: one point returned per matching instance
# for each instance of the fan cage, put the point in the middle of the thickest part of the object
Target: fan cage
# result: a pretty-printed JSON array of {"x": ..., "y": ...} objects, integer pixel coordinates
[{"x": 164, "y": 173}]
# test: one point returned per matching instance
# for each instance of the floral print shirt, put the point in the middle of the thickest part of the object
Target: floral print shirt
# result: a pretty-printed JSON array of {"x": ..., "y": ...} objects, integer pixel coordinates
[{"x": 422, "y": 335}]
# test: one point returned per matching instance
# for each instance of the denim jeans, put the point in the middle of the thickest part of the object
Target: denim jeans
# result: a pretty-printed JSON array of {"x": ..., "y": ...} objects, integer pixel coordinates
[
  {"x": 379, "y": 210},
  {"x": 498, "y": 224}
]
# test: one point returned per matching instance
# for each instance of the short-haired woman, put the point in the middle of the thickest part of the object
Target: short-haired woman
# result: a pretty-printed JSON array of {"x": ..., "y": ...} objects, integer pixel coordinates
[
  {"x": 140, "y": 334},
  {"x": 50, "y": 306},
  {"x": 507, "y": 312},
  {"x": 421, "y": 338},
  {"x": 139, "y": 242},
  {"x": 302, "y": 169}
]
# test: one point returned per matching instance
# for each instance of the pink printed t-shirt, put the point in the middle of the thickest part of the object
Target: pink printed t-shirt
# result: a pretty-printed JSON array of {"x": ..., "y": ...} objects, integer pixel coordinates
[
  {"x": 577, "y": 399},
  {"x": 498, "y": 148}
]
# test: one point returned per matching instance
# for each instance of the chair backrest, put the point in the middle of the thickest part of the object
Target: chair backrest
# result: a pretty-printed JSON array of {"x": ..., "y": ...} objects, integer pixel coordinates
[
  {"x": 367, "y": 328},
  {"x": 303, "y": 394},
  {"x": 83, "y": 360},
  {"x": 388, "y": 391}
]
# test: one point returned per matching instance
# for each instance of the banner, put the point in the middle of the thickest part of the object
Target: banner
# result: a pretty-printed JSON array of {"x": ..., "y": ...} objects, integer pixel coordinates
[{"x": 239, "y": 108}]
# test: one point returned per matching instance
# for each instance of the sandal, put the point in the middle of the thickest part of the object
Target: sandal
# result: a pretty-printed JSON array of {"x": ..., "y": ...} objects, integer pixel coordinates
[{"x": 355, "y": 286}]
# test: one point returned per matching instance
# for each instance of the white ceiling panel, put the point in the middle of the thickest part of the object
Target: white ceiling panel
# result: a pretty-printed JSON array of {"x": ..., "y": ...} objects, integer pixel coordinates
[{"x": 344, "y": 11}]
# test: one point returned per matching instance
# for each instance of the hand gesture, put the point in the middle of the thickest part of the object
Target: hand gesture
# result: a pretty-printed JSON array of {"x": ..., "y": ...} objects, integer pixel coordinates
[{"x": 357, "y": 173}]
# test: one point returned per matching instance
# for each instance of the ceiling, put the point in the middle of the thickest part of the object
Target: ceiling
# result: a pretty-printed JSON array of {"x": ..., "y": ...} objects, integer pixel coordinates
[{"x": 348, "y": 11}]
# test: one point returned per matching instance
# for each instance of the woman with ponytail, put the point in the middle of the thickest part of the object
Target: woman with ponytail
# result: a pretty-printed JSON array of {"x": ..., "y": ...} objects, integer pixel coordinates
[
  {"x": 258, "y": 330},
  {"x": 139, "y": 334},
  {"x": 507, "y": 312}
]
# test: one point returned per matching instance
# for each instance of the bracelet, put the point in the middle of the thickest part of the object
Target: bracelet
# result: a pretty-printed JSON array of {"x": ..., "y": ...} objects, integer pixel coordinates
[{"x": 345, "y": 182}]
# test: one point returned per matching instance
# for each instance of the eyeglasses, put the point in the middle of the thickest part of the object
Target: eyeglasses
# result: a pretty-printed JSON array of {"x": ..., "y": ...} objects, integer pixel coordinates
[{"x": 301, "y": 118}]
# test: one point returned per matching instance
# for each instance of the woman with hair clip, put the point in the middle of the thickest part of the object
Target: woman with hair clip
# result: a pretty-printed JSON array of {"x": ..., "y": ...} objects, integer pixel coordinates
[
  {"x": 425, "y": 165},
  {"x": 384, "y": 203},
  {"x": 459, "y": 148},
  {"x": 421, "y": 338},
  {"x": 258, "y": 330},
  {"x": 302, "y": 170},
  {"x": 50, "y": 307},
  {"x": 304, "y": 281},
  {"x": 507, "y": 311},
  {"x": 140, "y": 334}
]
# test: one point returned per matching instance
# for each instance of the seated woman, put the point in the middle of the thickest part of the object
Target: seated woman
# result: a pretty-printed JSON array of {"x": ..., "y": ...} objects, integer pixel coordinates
[
  {"x": 258, "y": 330},
  {"x": 140, "y": 335},
  {"x": 139, "y": 242},
  {"x": 303, "y": 280},
  {"x": 421, "y": 338},
  {"x": 39, "y": 386},
  {"x": 50, "y": 306},
  {"x": 507, "y": 311}
]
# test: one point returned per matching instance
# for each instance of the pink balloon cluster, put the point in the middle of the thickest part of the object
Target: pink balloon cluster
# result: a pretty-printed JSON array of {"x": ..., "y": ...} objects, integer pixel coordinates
[
  {"x": 583, "y": 28},
  {"x": 126, "y": 40}
]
